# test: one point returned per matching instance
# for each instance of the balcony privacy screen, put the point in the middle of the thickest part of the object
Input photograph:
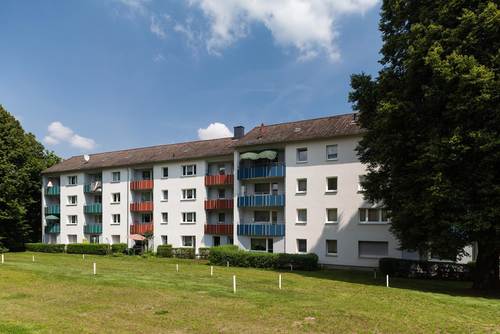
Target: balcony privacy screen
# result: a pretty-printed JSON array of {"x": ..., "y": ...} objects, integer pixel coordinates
[{"x": 268, "y": 154}]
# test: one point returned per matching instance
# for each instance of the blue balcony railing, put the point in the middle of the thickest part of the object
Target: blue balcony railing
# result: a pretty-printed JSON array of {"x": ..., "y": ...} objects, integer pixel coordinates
[
  {"x": 261, "y": 201},
  {"x": 274, "y": 170},
  {"x": 52, "y": 210},
  {"x": 53, "y": 228},
  {"x": 53, "y": 191},
  {"x": 94, "y": 208},
  {"x": 92, "y": 229},
  {"x": 261, "y": 230}
]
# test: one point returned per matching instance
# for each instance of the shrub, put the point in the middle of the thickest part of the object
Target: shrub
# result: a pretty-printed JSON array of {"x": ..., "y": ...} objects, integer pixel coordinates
[
  {"x": 164, "y": 251},
  {"x": 96, "y": 249},
  {"x": 118, "y": 248},
  {"x": 298, "y": 261},
  {"x": 203, "y": 253},
  {"x": 45, "y": 248},
  {"x": 183, "y": 253},
  {"x": 425, "y": 269}
]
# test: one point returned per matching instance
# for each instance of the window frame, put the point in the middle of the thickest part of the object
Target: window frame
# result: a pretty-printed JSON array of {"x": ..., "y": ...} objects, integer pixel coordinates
[
  {"x": 184, "y": 238},
  {"x": 300, "y": 150},
  {"x": 371, "y": 256},
  {"x": 163, "y": 215},
  {"x": 113, "y": 180},
  {"x": 185, "y": 216},
  {"x": 163, "y": 198},
  {"x": 336, "y": 152},
  {"x": 115, "y": 221},
  {"x": 184, "y": 193},
  {"x": 72, "y": 220},
  {"x": 297, "y": 190},
  {"x": 332, "y": 191},
  {"x": 328, "y": 221},
  {"x": 71, "y": 177},
  {"x": 301, "y": 222},
  {"x": 163, "y": 169},
  {"x": 69, "y": 203},
  {"x": 298, "y": 241},
  {"x": 336, "y": 247},
  {"x": 185, "y": 170},
  {"x": 113, "y": 199}
]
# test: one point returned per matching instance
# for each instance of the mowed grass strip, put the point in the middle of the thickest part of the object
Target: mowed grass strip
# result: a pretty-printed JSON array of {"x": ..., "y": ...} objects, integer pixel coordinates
[{"x": 58, "y": 293}]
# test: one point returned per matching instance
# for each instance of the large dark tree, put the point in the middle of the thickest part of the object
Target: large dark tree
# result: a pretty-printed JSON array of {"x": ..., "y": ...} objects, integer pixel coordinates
[
  {"x": 432, "y": 117},
  {"x": 22, "y": 158}
]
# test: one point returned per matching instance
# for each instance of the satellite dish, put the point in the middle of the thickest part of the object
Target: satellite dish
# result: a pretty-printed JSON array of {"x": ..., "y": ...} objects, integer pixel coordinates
[{"x": 86, "y": 157}]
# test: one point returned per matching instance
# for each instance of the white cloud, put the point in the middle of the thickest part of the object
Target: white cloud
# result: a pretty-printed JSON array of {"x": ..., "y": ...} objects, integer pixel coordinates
[
  {"x": 306, "y": 25},
  {"x": 213, "y": 131},
  {"x": 157, "y": 26},
  {"x": 158, "y": 58},
  {"x": 58, "y": 133},
  {"x": 135, "y": 7}
]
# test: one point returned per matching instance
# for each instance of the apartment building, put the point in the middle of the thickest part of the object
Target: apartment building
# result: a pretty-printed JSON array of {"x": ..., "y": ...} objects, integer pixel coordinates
[{"x": 291, "y": 187}]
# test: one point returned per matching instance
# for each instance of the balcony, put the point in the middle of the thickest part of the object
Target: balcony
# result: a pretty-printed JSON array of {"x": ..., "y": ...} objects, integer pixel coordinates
[
  {"x": 141, "y": 228},
  {"x": 53, "y": 228},
  {"x": 219, "y": 180},
  {"x": 94, "y": 187},
  {"x": 53, "y": 191},
  {"x": 274, "y": 170},
  {"x": 141, "y": 185},
  {"x": 261, "y": 230},
  {"x": 261, "y": 201},
  {"x": 53, "y": 210},
  {"x": 219, "y": 204},
  {"x": 92, "y": 229},
  {"x": 219, "y": 229},
  {"x": 141, "y": 207},
  {"x": 94, "y": 208}
]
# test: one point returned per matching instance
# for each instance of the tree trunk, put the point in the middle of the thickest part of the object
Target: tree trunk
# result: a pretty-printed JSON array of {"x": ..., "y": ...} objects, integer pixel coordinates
[{"x": 486, "y": 274}]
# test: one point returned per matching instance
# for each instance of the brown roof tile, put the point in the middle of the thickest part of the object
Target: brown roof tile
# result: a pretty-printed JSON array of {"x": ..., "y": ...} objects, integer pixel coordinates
[
  {"x": 325, "y": 127},
  {"x": 160, "y": 153}
]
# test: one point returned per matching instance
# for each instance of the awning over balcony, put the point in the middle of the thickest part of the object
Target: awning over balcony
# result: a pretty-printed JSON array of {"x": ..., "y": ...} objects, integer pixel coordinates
[
  {"x": 268, "y": 154},
  {"x": 51, "y": 217}
]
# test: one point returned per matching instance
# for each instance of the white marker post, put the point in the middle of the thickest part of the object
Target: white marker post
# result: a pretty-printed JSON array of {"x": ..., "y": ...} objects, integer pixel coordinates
[
  {"x": 211, "y": 270},
  {"x": 83, "y": 256},
  {"x": 33, "y": 258},
  {"x": 177, "y": 267},
  {"x": 387, "y": 280},
  {"x": 234, "y": 283},
  {"x": 279, "y": 282},
  {"x": 95, "y": 269},
  {"x": 3, "y": 259}
]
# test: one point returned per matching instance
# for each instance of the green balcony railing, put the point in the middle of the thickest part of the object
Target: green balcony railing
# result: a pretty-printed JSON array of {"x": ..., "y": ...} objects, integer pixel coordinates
[
  {"x": 92, "y": 229},
  {"x": 53, "y": 210},
  {"x": 53, "y": 191},
  {"x": 94, "y": 187},
  {"x": 53, "y": 228},
  {"x": 94, "y": 208}
]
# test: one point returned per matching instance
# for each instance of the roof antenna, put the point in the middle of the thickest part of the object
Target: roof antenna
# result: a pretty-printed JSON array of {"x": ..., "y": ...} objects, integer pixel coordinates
[{"x": 86, "y": 157}]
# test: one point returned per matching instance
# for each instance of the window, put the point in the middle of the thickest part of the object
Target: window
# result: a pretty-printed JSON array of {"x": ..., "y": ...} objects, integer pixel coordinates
[
  {"x": 274, "y": 188},
  {"x": 146, "y": 196},
  {"x": 221, "y": 193},
  {"x": 115, "y": 239},
  {"x": 146, "y": 175},
  {"x": 72, "y": 239},
  {"x": 188, "y": 170},
  {"x": 361, "y": 179},
  {"x": 302, "y": 245},
  {"x": 301, "y": 185},
  {"x": 331, "y": 152},
  {"x": 164, "y": 172},
  {"x": 331, "y": 247},
  {"x": 384, "y": 215},
  {"x": 362, "y": 215},
  {"x": 258, "y": 244},
  {"x": 331, "y": 215},
  {"x": 331, "y": 184},
  {"x": 164, "y": 195},
  {"x": 222, "y": 218},
  {"x": 302, "y": 155},
  {"x": 164, "y": 217},
  {"x": 261, "y": 188},
  {"x": 189, "y": 217},
  {"x": 73, "y": 219},
  {"x": 72, "y": 200},
  {"x": 98, "y": 199},
  {"x": 302, "y": 216},
  {"x": 373, "y": 248},
  {"x": 98, "y": 219},
  {"x": 115, "y": 218},
  {"x": 187, "y": 241},
  {"x": 188, "y": 194},
  {"x": 373, "y": 215},
  {"x": 146, "y": 218},
  {"x": 115, "y": 198},
  {"x": 115, "y": 176},
  {"x": 72, "y": 180},
  {"x": 164, "y": 240},
  {"x": 261, "y": 216}
]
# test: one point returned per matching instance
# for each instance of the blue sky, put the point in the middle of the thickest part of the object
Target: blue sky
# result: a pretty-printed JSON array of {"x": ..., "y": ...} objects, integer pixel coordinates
[{"x": 100, "y": 75}]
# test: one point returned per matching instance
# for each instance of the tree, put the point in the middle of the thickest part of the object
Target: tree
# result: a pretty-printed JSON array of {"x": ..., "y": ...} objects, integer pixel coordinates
[
  {"x": 432, "y": 120},
  {"x": 22, "y": 158}
]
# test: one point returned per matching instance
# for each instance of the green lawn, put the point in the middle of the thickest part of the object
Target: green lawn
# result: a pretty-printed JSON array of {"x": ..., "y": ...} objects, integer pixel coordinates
[{"x": 59, "y": 294}]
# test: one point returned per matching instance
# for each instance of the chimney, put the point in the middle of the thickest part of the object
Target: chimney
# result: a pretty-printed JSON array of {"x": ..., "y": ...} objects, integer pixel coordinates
[{"x": 239, "y": 132}]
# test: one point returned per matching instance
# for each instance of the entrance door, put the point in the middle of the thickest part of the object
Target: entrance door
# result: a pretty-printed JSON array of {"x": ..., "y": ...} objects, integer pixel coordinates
[
  {"x": 270, "y": 245},
  {"x": 216, "y": 241}
]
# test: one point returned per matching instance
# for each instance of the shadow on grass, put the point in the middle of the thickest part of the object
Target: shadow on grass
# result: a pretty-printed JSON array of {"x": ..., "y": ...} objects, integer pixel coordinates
[{"x": 452, "y": 288}]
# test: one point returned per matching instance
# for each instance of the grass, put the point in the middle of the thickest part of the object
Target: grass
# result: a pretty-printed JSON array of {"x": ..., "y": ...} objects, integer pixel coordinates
[{"x": 59, "y": 294}]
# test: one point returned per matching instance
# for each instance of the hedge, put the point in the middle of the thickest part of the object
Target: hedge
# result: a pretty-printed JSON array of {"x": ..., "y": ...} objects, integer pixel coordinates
[
  {"x": 97, "y": 249},
  {"x": 203, "y": 253},
  {"x": 425, "y": 269},
  {"x": 118, "y": 248},
  {"x": 44, "y": 248},
  {"x": 183, "y": 253},
  {"x": 221, "y": 255},
  {"x": 164, "y": 251}
]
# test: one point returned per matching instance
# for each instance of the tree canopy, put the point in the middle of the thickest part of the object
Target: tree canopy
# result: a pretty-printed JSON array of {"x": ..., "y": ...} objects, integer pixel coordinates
[
  {"x": 432, "y": 120},
  {"x": 22, "y": 158}
]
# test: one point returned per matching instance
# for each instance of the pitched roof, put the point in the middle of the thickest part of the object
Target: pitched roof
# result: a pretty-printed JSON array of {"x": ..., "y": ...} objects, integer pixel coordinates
[
  {"x": 160, "y": 153},
  {"x": 325, "y": 127}
]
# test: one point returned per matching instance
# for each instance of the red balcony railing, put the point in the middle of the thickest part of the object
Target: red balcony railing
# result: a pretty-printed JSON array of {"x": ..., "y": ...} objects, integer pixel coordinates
[
  {"x": 141, "y": 185},
  {"x": 211, "y": 204},
  {"x": 141, "y": 207},
  {"x": 141, "y": 228},
  {"x": 218, "y": 180},
  {"x": 219, "y": 229}
]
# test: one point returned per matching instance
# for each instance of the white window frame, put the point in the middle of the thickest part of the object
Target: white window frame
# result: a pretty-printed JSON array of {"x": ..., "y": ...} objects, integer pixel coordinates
[
  {"x": 72, "y": 220},
  {"x": 372, "y": 256},
  {"x": 184, "y": 238},
  {"x": 298, "y": 191},
  {"x": 297, "y": 154},
  {"x": 185, "y": 193},
  {"x": 332, "y": 191},
  {"x": 163, "y": 169},
  {"x": 328, "y": 221},
  {"x": 337, "y": 247},
  {"x": 189, "y": 217},
  {"x": 185, "y": 170},
  {"x": 336, "y": 152},
  {"x": 115, "y": 219},
  {"x": 302, "y": 222},
  {"x": 115, "y": 180},
  {"x": 163, "y": 197},
  {"x": 163, "y": 216},
  {"x": 114, "y": 196},
  {"x": 70, "y": 203},
  {"x": 164, "y": 239},
  {"x": 298, "y": 250},
  {"x": 72, "y": 180},
  {"x": 366, "y": 221}
]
